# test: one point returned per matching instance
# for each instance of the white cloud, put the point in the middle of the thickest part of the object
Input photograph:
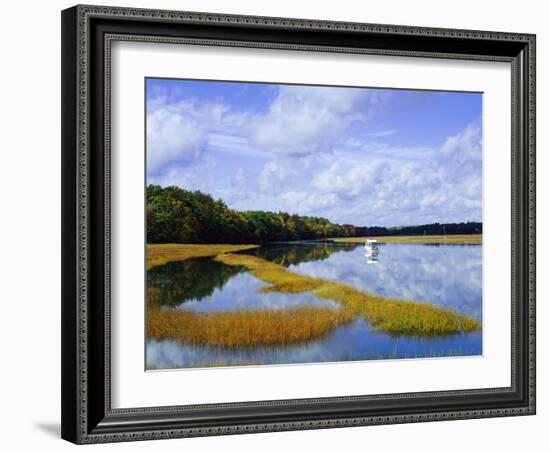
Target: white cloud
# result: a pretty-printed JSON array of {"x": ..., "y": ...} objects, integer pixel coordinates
[
  {"x": 233, "y": 144},
  {"x": 308, "y": 202},
  {"x": 462, "y": 150},
  {"x": 301, "y": 121},
  {"x": 304, "y": 155},
  {"x": 351, "y": 178},
  {"x": 306, "y": 119},
  {"x": 277, "y": 175},
  {"x": 178, "y": 132},
  {"x": 369, "y": 190},
  {"x": 200, "y": 177},
  {"x": 432, "y": 200}
]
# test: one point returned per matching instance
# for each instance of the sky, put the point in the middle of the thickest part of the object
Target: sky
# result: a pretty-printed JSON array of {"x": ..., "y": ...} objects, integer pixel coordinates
[{"x": 360, "y": 156}]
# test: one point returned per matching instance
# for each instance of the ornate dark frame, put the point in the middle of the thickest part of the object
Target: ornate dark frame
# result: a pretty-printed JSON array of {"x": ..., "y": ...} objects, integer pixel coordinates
[{"x": 87, "y": 33}]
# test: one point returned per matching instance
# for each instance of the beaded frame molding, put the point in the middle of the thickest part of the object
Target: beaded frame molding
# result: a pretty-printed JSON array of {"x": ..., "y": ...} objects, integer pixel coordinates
[{"x": 87, "y": 35}]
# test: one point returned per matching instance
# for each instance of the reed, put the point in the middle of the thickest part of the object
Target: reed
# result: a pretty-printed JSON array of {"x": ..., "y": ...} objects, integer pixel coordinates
[
  {"x": 400, "y": 317},
  {"x": 237, "y": 329},
  {"x": 448, "y": 239},
  {"x": 159, "y": 254},
  {"x": 278, "y": 278},
  {"x": 390, "y": 315},
  {"x": 242, "y": 328}
]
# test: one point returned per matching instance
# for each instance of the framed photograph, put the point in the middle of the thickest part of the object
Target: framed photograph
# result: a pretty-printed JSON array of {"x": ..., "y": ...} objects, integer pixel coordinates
[{"x": 278, "y": 224}]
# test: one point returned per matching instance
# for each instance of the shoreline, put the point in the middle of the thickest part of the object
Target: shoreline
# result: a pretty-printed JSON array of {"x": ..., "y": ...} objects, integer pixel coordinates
[
  {"x": 451, "y": 239},
  {"x": 160, "y": 254}
]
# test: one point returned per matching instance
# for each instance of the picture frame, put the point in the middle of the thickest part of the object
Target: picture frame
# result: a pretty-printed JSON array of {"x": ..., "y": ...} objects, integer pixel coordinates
[{"x": 88, "y": 33}]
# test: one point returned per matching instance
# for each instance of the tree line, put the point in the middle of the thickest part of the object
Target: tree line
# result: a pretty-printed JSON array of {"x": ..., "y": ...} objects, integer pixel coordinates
[
  {"x": 176, "y": 215},
  {"x": 432, "y": 229}
]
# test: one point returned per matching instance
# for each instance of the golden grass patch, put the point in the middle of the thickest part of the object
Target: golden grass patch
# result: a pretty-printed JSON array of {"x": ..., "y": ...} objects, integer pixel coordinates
[
  {"x": 234, "y": 329},
  {"x": 159, "y": 254},
  {"x": 398, "y": 316},
  {"x": 279, "y": 279}
]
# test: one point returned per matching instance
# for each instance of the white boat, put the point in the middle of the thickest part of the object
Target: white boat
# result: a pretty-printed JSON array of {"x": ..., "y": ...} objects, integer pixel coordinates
[
  {"x": 371, "y": 251},
  {"x": 370, "y": 245}
]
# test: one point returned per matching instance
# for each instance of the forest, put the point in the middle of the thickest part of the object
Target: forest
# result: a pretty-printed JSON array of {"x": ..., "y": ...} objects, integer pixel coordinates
[{"x": 176, "y": 215}]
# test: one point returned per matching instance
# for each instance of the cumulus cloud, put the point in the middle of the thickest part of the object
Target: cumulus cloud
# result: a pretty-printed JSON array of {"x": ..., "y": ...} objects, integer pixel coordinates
[
  {"x": 179, "y": 132},
  {"x": 301, "y": 120},
  {"x": 199, "y": 178},
  {"x": 309, "y": 150},
  {"x": 462, "y": 151},
  {"x": 307, "y": 119},
  {"x": 309, "y": 202},
  {"x": 351, "y": 178},
  {"x": 277, "y": 175},
  {"x": 444, "y": 185}
]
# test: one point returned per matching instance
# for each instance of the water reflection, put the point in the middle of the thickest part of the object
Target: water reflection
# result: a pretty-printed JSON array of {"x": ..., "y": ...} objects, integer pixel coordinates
[
  {"x": 291, "y": 253},
  {"x": 445, "y": 275},
  {"x": 205, "y": 285},
  {"x": 193, "y": 279},
  {"x": 371, "y": 252},
  {"x": 242, "y": 292},
  {"x": 356, "y": 342}
]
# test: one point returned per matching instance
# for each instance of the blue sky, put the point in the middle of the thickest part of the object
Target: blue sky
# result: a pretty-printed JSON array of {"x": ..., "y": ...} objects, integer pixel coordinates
[{"x": 363, "y": 156}]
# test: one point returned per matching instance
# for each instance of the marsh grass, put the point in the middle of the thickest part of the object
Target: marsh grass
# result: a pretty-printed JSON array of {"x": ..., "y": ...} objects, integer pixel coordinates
[
  {"x": 448, "y": 239},
  {"x": 160, "y": 254},
  {"x": 400, "y": 317},
  {"x": 249, "y": 328},
  {"x": 235, "y": 329},
  {"x": 278, "y": 278}
]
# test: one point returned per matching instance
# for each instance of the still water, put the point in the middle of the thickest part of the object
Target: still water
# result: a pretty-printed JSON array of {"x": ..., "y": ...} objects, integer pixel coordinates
[{"x": 443, "y": 275}]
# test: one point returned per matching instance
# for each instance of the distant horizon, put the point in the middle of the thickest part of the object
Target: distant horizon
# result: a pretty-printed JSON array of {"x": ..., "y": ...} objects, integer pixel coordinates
[{"x": 350, "y": 155}]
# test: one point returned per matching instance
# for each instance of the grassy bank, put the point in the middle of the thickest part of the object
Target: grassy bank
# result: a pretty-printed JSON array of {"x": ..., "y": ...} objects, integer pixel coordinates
[
  {"x": 233, "y": 329},
  {"x": 398, "y": 317},
  {"x": 159, "y": 254},
  {"x": 448, "y": 239},
  {"x": 390, "y": 315}
]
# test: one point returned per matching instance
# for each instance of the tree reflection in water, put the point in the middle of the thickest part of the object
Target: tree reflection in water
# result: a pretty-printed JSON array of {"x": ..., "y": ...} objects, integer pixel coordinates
[
  {"x": 298, "y": 252},
  {"x": 193, "y": 279}
]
